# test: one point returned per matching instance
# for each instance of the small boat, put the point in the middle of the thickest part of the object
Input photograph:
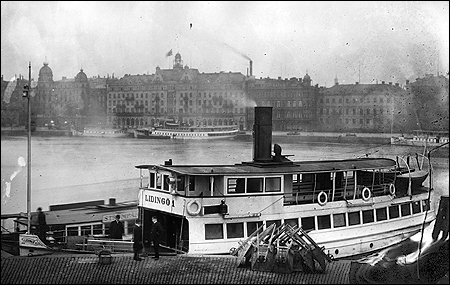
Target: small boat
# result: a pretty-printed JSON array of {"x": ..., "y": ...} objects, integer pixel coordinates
[
  {"x": 423, "y": 138},
  {"x": 347, "y": 207},
  {"x": 200, "y": 132},
  {"x": 106, "y": 133}
]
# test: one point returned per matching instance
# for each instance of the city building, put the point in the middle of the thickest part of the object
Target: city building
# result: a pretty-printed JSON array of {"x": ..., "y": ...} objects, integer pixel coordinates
[
  {"x": 293, "y": 102},
  {"x": 180, "y": 94},
  {"x": 14, "y": 105},
  {"x": 361, "y": 107}
]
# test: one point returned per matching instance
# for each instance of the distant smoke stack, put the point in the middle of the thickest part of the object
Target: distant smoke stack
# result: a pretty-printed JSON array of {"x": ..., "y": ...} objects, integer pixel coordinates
[
  {"x": 251, "y": 68},
  {"x": 112, "y": 201},
  {"x": 262, "y": 137}
]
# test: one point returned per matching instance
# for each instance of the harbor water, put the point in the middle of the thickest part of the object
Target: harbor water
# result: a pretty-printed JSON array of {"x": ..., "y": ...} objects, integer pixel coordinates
[{"x": 79, "y": 169}]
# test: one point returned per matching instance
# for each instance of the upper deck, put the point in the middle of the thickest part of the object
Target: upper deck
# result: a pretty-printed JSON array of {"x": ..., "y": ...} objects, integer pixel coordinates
[{"x": 249, "y": 168}]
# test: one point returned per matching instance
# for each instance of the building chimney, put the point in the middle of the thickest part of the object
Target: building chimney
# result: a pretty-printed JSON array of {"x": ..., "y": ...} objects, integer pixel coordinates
[
  {"x": 251, "y": 68},
  {"x": 262, "y": 136},
  {"x": 112, "y": 201}
]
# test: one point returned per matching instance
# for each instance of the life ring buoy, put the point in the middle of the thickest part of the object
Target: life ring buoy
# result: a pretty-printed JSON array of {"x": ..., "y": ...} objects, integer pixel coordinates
[
  {"x": 392, "y": 189},
  {"x": 193, "y": 204},
  {"x": 366, "y": 195},
  {"x": 321, "y": 201}
]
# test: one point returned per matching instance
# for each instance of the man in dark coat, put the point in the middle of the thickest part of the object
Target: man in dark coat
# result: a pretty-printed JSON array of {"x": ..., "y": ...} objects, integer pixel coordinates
[
  {"x": 156, "y": 234},
  {"x": 137, "y": 240},
  {"x": 116, "y": 229},
  {"x": 42, "y": 225}
]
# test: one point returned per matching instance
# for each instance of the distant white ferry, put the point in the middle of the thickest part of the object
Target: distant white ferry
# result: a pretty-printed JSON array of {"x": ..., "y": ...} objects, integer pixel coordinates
[
  {"x": 105, "y": 132},
  {"x": 203, "y": 132},
  {"x": 423, "y": 138}
]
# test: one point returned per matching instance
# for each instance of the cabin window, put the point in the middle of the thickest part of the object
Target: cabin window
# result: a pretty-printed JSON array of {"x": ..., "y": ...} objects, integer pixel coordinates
[
  {"x": 235, "y": 230},
  {"x": 308, "y": 223},
  {"x": 130, "y": 226},
  {"x": 159, "y": 182},
  {"x": 72, "y": 231},
  {"x": 381, "y": 214},
  {"x": 236, "y": 185},
  {"x": 273, "y": 184},
  {"x": 276, "y": 222},
  {"x": 86, "y": 230},
  {"x": 393, "y": 212},
  {"x": 339, "y": 220},
  {"x": 254, "y": 185},
  {"x": 152, "y": 180},
  {"x": 354, "y": 218},
  {"x": 252, "y": 227},
  {"x": 348, "y": 174},
  {"x": 166, "y": 182},
  {"x": 292, "y": 222},
  {"x": 323, "y": 222},
  {"x": 338, "y": 180},
  {"x": 306, "y": 177},
  {"x": 324, "y": 181},
  {"x": 191, "y": 183},
  {"x": 406, "y": 209},
  {"x": 97, "y": 229},
  {"x": 180, "y": 183},
  {"x": 425, "y": 205},
  {"x": 368, "y": 216},
  {"x": 213, "y": 231},
  {"x": 416, "y": 207}
]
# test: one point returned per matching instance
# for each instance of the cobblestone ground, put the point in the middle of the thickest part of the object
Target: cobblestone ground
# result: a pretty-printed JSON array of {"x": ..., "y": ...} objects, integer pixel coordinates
[{"x": 181, "y": 269}]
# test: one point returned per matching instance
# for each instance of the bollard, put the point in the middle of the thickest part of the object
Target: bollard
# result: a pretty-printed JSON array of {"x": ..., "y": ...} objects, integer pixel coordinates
[{"x": 104, "y": 257}]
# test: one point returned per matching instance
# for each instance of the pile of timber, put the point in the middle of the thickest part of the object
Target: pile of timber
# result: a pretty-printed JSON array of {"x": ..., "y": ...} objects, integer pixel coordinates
[{"x": 283, "y": 249}]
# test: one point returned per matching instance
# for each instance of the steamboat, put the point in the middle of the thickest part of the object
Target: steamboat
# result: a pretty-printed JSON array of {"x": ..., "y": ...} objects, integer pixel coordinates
[{"x": 348, "y": 207}]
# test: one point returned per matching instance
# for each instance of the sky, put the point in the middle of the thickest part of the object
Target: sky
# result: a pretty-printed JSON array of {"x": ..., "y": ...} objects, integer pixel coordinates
[{"x": 361, "y": 41}]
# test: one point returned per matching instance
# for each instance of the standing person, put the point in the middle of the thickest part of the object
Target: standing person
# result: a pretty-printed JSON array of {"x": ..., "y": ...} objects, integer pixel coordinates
[
  {"x": 42, "y": 225},
  {"x": 116, "y": 228},
  {"x": 137, "y": 240},
  {"x": 156, "y": 235}
]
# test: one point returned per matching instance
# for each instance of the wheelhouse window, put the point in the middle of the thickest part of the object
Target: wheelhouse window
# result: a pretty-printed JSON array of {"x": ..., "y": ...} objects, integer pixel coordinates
[
  {"x": 381, "y": 214},
  {"x": 425, "y": 205},
  {"x": 252, "y": 227},
  {"x": 273, "y": 184},
  {"x": 235, "y": 230},
  {"x": 292, "y": 222},
  {"x": 406, "y": 209},
  {"x": 393, "y": 212},
  {"x": 213, "y": 231},
  {"x": 368, "y": 216},
  {"x": 339, "y": 220},
  {"x": 354, "y": 218},
  {"x": 254, "y": 185},
  {"x": 416, "y": 207},
  {"x": 308, "y": 223},
  {"x": 323, "y": 222},
  {"x": 276, "y": 222},
  {"x": 237, "y": 185}
]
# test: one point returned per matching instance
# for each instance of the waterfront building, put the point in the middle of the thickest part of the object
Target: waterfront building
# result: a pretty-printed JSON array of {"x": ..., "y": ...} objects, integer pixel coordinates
[
  {"x": 293, "y": 101},
  {"x": 180, "y": 94},
  {"x": 13, "y": 106},
  {"x": 360, "y": 107},
  {"x": 430, "y": 102}
]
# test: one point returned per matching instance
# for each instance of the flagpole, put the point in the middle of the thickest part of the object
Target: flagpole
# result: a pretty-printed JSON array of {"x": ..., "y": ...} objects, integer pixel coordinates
[{"x": 29, "y": 153}]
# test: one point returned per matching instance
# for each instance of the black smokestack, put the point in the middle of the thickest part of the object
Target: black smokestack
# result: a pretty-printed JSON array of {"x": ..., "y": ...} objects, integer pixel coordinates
[
  {"x": 262, "y": 136},
  {"x": 251, "y": 68}
]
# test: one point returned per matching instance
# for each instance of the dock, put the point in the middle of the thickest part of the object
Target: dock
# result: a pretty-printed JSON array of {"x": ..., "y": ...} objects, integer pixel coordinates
[{"x": 66, "y": 268}]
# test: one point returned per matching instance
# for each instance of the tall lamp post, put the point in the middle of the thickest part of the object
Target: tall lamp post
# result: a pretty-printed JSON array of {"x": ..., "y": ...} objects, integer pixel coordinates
[{"x": 26, "y": 93}]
